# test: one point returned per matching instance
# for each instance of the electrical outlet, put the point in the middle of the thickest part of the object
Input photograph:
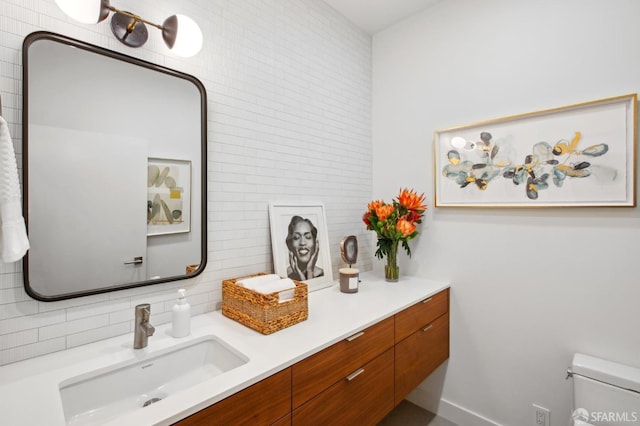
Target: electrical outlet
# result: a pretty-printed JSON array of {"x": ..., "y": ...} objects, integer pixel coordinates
[{"x": 541, "y": 416}]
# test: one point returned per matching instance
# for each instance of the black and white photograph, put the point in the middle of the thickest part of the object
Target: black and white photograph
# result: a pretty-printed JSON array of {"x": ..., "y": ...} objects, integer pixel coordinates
[{"x": 300, "y": 243}]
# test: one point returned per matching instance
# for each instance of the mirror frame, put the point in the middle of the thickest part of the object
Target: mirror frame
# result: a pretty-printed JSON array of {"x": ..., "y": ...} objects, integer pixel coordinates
[{"x": 46, "y": 35}]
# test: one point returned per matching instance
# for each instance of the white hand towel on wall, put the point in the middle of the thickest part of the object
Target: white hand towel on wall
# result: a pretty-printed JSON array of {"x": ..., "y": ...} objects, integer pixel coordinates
[{"x": 13, "y": 234}]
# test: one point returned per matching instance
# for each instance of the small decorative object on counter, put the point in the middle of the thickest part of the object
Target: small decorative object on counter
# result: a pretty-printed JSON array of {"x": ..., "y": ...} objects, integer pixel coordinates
[
  {"x": 349, "y": 277},
  {"x": 395, "y": 223},
  {"x": 181, "y": 316}
]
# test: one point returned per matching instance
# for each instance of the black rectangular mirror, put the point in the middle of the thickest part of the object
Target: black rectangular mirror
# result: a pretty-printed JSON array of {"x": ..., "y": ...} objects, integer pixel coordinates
[{"x": 114, "y": 162}]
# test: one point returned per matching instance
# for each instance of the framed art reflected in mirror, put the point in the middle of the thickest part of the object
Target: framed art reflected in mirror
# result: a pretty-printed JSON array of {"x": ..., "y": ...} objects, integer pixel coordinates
[{"x": 168, "y": 196}]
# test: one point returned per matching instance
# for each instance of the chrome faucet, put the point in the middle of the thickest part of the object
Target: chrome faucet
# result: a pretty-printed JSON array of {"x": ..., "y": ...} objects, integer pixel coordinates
[{"x": 142, "y": 329}]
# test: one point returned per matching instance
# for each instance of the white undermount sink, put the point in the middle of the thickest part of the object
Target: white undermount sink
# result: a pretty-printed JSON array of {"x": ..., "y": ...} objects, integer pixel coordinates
[{"x": 102, "y": 395}]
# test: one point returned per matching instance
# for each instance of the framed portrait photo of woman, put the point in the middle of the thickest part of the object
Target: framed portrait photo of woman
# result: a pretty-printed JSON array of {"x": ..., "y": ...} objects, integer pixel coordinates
[{"x": 300, "y": 243}]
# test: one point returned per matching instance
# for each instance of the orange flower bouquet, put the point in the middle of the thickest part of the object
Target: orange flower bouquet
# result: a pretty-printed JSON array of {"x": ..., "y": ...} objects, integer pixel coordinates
[{"x": 395, "y": 223}]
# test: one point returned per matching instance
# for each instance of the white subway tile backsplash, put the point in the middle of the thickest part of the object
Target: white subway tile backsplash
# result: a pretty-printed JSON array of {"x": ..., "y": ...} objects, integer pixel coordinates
[
  {"x": 160, "y": 317},
  {"x": 18, "y": 339},
  {"x": 13, "y": 295},
  {"x": 84, "y": 311},
  {"x": 72, "y": 326},
  {"x": 12, "y": 310},
  {"x": 8, "y": 281},
  {"x": 289, "y": 119},
  {"x": 27, "y": 322},
  {"x": 19, "y": 353},
  {"x": 93, "y": 335},
  {"x": 205, "y": 307},
  {"x": 63, "y": 304},
  {"x": 156, "y": 300},
  {"x": 123, "y": 315}
]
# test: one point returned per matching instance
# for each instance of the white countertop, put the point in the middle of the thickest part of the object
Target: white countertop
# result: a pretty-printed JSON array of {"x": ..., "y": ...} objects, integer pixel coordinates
[{"x": 29, "y": 390}]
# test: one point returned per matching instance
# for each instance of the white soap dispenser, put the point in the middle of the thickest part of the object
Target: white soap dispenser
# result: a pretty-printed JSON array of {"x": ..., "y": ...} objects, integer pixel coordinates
[{"x": 181, "y": 316}]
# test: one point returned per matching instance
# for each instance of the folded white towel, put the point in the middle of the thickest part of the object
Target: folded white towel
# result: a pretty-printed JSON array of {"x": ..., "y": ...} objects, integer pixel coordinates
[
  {"x": 267, "y": 284},
  {"x": 256, "y": 281},
  {"x": 13, "y": 234},
  {"x": 285, "y": 287}
]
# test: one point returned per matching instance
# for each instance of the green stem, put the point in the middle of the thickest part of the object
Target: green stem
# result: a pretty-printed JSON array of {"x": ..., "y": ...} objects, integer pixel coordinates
[{"x": 392, "y": 271}]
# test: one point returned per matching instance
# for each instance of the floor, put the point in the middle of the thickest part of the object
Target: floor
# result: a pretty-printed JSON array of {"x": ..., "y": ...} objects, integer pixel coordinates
[{"x": 409, "y": 414}]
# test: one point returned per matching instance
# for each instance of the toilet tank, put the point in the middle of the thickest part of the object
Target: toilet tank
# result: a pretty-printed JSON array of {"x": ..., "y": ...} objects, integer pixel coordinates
[{"x": 605, "y": 393}]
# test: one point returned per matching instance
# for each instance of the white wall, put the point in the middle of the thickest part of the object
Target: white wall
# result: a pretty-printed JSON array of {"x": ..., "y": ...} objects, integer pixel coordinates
[
  {"x": 289, "y": 119},
  {"x": 529, "y": 287}
]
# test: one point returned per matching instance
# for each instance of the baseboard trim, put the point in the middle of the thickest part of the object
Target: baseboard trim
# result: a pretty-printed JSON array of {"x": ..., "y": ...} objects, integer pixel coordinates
[
  {"x": 462, "y": 416},
  {"x": 448, "y": 409}
]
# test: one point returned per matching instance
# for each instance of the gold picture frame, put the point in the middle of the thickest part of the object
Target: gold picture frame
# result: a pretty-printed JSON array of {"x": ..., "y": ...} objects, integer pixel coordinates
[{"x": 581, "y": 155}]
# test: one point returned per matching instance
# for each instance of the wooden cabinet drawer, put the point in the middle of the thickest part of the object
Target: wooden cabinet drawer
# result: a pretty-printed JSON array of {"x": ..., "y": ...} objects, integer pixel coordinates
[
  {"x": 362, "y": 399},
  {"x": 285, "y": 421},
  {"x": 263, "y": 403},
  {"x": 422, "y": 313},
  {"x": 316, "y": 373},
  {"x": 419, "y": 354}
]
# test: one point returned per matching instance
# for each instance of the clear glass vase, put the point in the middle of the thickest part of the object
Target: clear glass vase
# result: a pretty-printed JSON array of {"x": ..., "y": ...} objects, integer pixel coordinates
[{"x": 392, "y": 270}]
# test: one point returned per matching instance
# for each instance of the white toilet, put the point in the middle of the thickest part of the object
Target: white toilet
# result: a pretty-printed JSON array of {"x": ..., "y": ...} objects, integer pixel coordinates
[{"x": 605, "y": 393}]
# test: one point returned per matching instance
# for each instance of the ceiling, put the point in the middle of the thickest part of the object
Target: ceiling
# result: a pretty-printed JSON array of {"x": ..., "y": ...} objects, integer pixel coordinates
[{"x": 375, "y": 15}]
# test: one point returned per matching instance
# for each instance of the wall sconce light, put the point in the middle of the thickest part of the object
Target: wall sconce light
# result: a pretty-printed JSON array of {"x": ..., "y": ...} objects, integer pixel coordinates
[{"x": 180, "y": 33}]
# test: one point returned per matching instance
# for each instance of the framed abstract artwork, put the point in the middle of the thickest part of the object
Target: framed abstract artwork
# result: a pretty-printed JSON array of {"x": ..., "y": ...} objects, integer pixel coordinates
[
  {"x": 300, "y": 243},
  {"x": 579, "y": 155},
  {"x": 168, "y": 196}
]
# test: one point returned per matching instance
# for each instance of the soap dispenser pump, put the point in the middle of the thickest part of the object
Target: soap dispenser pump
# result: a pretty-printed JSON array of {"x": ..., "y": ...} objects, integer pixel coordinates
[{"x": 181, "y": 316}]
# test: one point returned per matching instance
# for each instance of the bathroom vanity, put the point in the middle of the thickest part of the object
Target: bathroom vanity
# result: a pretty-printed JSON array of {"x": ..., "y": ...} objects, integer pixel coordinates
[
  {"x": 356, "y": 357},
  {"x": 353, "y": 380}
]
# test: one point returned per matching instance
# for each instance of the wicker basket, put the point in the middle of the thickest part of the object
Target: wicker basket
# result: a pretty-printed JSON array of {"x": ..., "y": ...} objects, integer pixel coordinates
[{"x": 263, "y": 312}]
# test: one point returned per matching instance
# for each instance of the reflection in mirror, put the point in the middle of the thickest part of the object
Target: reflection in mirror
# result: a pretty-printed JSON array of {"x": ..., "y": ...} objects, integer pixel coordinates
[{"x": 114, "y": 170}]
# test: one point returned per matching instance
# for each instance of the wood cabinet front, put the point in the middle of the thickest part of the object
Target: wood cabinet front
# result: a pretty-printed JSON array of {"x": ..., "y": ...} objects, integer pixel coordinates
[
  {"x": 321, "y": 370},
  {"x": 419, "y": 354},
  {"x": 422, "y": 313},
  {"x": 264, "y": 403},
  {"x": 363, "y": 397}
]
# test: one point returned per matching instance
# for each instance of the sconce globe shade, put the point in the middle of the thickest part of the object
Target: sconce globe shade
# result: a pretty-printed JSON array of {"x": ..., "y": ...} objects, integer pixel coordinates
[
  {"x": 182, "y": 35},
  {"x": 85, "y": 11}
]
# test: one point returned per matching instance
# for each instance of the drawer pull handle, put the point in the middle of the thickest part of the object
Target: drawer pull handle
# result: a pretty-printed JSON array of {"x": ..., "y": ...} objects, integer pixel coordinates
[
  {"x": 355, "y": 374},
  {"x": 427, "y": 327},
  {"x": 427, "y": 300},
  {"x": 355, "y": 336}
]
